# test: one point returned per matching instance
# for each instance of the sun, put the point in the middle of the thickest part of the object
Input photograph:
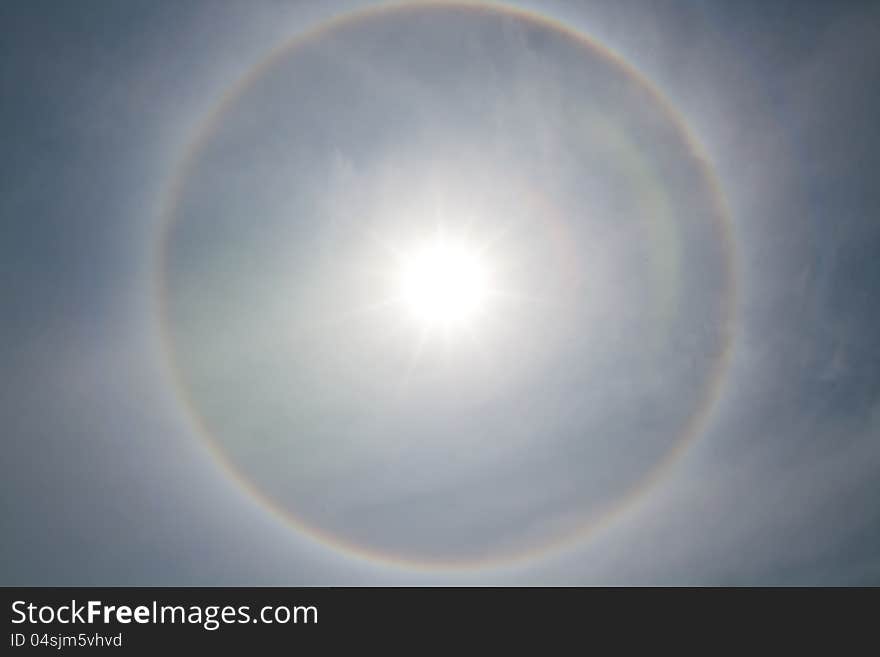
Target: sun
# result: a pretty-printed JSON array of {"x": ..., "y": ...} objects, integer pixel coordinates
[{"x": 444, "y": 283}]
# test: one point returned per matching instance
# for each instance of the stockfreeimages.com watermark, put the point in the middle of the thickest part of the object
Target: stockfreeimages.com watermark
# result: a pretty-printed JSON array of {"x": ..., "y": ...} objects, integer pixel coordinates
[{"x": 210, "y": 617}]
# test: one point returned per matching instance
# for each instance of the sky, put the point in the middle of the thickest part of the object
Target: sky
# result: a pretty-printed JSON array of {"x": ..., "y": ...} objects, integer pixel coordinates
[{"x": 224, "y": 362}]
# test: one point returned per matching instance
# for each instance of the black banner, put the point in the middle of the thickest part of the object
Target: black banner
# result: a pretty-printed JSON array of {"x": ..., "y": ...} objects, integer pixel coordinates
[{"x": 177, "y": 619}]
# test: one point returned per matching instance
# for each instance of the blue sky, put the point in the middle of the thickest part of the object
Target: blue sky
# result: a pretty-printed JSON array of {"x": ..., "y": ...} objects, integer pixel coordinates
[{"x": 476, "y": 448}]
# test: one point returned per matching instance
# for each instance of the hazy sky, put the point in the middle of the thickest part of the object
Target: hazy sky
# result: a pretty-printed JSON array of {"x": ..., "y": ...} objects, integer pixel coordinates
[{"x": 209, "y": 378}]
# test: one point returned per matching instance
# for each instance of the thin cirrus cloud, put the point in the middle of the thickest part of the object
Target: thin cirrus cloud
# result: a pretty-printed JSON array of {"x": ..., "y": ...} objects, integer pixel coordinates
[{"x": 563, "y": 408}]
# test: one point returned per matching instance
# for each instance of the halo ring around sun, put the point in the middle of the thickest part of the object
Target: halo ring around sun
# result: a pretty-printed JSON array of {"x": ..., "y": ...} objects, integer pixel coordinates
[{"x": 693, "y": 427}]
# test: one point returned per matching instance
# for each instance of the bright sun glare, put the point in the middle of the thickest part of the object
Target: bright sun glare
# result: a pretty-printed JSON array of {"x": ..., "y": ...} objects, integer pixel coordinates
[{"x": 443, "y": 284}]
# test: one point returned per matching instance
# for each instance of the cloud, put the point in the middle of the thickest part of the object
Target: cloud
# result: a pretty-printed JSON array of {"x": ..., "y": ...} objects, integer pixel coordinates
[{"x": 572, "y": 392}]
